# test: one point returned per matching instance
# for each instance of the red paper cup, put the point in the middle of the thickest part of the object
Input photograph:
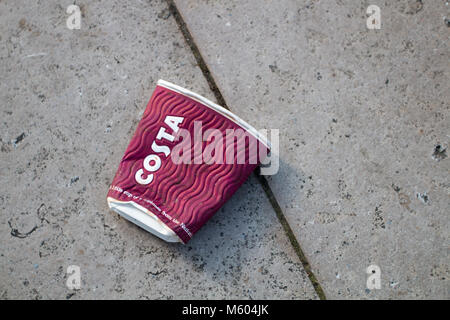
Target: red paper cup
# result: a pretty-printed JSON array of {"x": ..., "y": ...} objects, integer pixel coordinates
[{"x": 186, "y": 159}]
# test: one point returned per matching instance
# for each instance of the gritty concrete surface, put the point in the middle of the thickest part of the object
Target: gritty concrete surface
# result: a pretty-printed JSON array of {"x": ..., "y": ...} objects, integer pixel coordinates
[
  {"x": 70, "y": 101},
  {"x": 361, "y": 113}
]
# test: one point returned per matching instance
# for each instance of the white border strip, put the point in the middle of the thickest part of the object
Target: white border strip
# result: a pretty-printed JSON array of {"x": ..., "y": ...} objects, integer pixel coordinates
[
  {"x": 217, "y": 108},
  {"x": 144, "y": 218}
]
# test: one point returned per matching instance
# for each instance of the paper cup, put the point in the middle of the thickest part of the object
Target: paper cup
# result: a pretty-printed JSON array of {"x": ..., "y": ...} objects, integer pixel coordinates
[{"x": 187, "y": 157}]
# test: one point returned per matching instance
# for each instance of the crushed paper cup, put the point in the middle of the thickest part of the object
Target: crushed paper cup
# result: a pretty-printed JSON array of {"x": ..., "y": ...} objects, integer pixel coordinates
[{"x": 166, "y": 183}]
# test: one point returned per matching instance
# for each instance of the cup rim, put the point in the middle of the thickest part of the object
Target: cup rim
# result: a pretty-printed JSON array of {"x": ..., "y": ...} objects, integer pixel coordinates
[{"x": 225, "y": 112}]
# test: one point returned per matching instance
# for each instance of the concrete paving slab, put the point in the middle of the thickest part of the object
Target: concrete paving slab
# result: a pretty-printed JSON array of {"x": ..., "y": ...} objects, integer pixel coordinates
[
  {"x": 70, "y": 101},
  {"x": 361, "y": 113}
]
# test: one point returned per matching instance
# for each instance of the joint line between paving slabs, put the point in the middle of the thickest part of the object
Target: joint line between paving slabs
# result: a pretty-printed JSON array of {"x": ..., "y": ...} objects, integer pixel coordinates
[{"x": 262, "y": 180}]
